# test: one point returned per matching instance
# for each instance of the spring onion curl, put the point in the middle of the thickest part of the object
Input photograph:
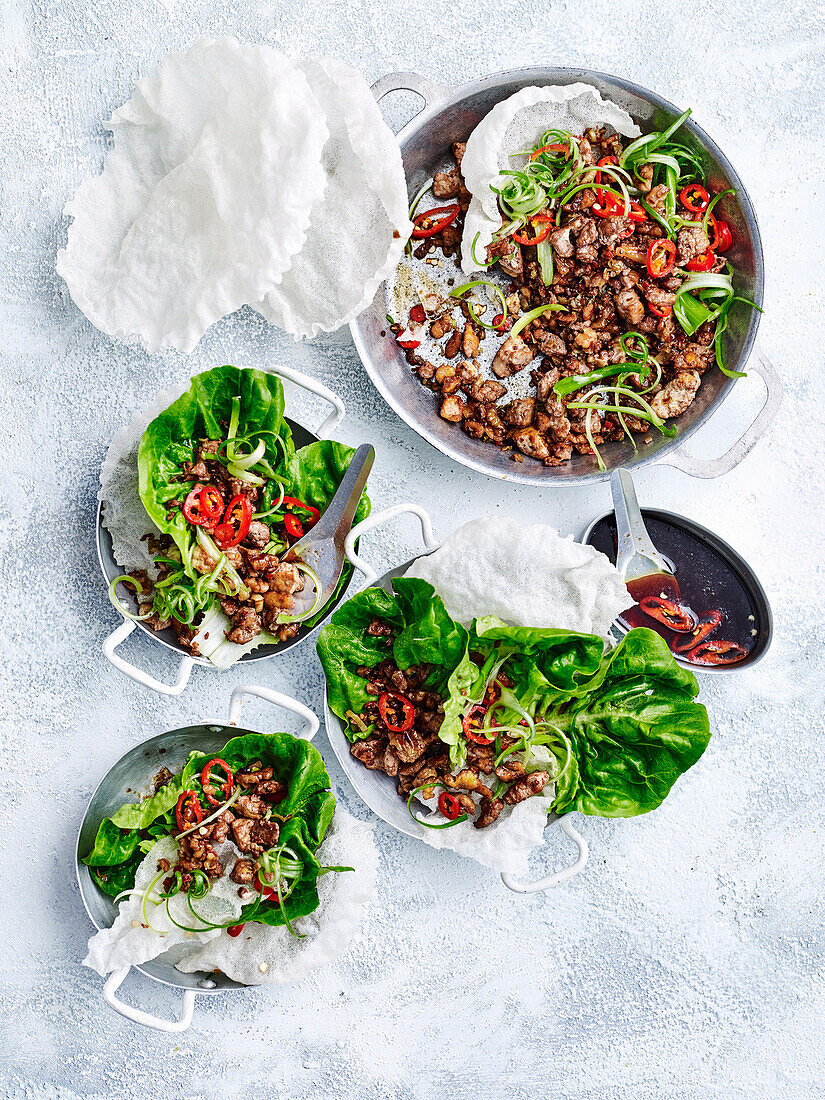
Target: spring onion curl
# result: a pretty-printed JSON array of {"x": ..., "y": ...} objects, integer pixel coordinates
[
  {"x": 146, "y": 897},
  {"x": 282, "y": 875},
  {"x": 125, "y": 578},
  {"x": 653, "y": 213},
  {"x": 460, "y": 290},
  {"x": 707, "y": 215},
  {"x": 643, "y": 413},
  {"x": 522, "y": 197},
  {"x": 215, "y": 554},
  {"x": 637, "y": 152},
  {"x": 430, "y": 824},
  {"x": 475, "y": 259},
  {"x": 319, "y": 592},
  {"x": 721, "y": 325},
  {"x": 631, "y": 353},
  {"x": 571, "y": 383},
  {"x": 532, "y": 314},
  {"x": 276, "y": 507}
]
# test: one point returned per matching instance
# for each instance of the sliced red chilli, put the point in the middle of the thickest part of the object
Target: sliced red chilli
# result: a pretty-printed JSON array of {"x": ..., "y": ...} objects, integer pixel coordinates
[
  {"x": 716, "y": 653},
  {"x": 671, "y": 614},
  {"x": 708, "y": 622}
]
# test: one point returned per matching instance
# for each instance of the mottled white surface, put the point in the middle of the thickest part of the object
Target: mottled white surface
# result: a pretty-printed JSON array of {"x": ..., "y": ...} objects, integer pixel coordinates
[{"x": 686, "y": 963}]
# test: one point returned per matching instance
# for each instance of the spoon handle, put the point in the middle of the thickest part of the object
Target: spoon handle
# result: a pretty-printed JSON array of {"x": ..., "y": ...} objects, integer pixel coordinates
[
  {"x": 337, "y": 519},
  {"x": 631, "y": 533}
]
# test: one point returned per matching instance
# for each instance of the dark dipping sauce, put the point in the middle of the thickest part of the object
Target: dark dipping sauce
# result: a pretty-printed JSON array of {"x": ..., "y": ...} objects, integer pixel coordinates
[{"x": 706, "y": 582}]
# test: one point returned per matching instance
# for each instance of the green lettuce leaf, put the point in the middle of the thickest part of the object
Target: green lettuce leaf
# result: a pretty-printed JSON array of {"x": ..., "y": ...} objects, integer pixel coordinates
[
  {"x": 427, "y": 634},
  {"x": 112, "y": 880},
  {"x": 112, "y": 845},
  {"x": 172, "y": 437},
  {"x": 564, "y": 658},
  {"x": 294, "y": 762},
  {"x": 635, "y": 728}
]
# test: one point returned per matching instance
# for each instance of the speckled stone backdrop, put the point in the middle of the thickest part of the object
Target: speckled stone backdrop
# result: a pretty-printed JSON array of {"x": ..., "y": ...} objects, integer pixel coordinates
[{"x": 686, "y": 962}]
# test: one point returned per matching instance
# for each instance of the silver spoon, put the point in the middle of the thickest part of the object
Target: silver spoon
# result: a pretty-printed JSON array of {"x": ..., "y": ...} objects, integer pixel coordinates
[
  {"x": 322, "y": 548},
  {"x": 639, "y": 563},
  {"x": 636, "y": 556}
]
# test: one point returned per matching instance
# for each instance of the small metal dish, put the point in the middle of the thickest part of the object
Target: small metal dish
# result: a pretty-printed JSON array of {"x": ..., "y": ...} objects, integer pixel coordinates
[
  {"x": 110, "y": 568},
  {"x": 126, "y": 779},
  {"x": 738, "y": 566},
  {"x": 378, "y": 790}
]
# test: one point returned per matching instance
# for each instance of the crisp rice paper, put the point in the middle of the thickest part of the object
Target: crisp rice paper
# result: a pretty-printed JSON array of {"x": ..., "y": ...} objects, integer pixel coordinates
[
  {"x": 360, "y": 224},
  {"x": 204, "y": 199},
  {"x": 516, "y": 124},
  {"x": 327, "y": 932},
  {"x": 527, "y": 575}
]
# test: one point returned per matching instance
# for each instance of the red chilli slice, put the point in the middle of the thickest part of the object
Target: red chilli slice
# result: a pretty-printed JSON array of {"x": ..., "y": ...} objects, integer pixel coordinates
[
  {"x": 708, "y": 622},
  {"x": 716, "y": 653},
  {"x": 671, "y": 614}
]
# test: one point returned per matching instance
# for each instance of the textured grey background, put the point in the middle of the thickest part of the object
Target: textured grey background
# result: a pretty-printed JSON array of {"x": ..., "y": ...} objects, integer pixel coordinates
[{"x": 686, "y": 963}]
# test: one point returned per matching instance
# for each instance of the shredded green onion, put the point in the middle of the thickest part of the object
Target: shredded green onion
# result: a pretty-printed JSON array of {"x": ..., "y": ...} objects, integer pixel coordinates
[
  {"x": 319, "y": 591},
  {"x": 430, "y": 824},
  {"x": 532, "y": 314},
  {"x": 460, "y": 290},
  {"x": 124, "y": 611}
]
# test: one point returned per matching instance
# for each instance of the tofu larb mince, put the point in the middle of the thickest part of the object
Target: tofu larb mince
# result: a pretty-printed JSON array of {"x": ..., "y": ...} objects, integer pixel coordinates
[
  {"x": 402, "y": 721},
  {"x": 263, "y": 581},
  {"x": 613, "y": 303}
]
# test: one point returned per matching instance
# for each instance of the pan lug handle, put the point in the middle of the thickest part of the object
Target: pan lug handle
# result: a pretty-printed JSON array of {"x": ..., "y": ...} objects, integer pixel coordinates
[
  {"x": 376, "y": 520},
  {"x": 688, "y": 463},
  {"x": 409, "y": 82},
  {"x": 277, "y": 699},
  {"x": 137, "y": 674},
  {"x": 558, "y": 877},
  {"x": 339, "y": 409},
  {"x": 146, "y": 1019}
]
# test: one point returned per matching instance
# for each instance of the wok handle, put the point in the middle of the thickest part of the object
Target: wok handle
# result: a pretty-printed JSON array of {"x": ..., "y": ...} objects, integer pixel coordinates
[
  {"x": 146, "y": 1019},
  {"x": 137, "y": 674},
  {"x": 409, "y": 82},
  {"x": 688, "y": 463},
  {"x": 558, "y": 877},
  {"x": 339, "y": 409},
  {"x": 311, "y": 723},
  {"x": 376, "y": 520}
]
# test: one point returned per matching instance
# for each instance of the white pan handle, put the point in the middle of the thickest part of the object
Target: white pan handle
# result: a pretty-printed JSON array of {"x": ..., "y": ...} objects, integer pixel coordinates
[
  {"x": 375, "y": 520},
  {"x": 146, "y": 1019},
  {"x": 339, "y": 409},
  {"x": 558, "y": 877},
  {"x": 410, "y": 82},
  {"x": 277, "y": 700},
  {"x": 689, "y": 463},
  {"x": 137, "y": 674}
]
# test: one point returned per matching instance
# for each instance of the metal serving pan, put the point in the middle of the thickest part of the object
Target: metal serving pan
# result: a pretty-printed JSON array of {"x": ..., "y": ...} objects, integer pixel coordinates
[
  {"x": 167, "y": 638},
  {"x": 451, "y": 114},
  {"x": 132, "y": 772},
  {"x": 738, "y": 566},
  {"x": 378, "y": 790}
]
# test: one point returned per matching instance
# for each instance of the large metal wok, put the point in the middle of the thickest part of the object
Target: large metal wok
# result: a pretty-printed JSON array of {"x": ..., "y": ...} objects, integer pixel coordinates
[{"x": 451, "y": 114}]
